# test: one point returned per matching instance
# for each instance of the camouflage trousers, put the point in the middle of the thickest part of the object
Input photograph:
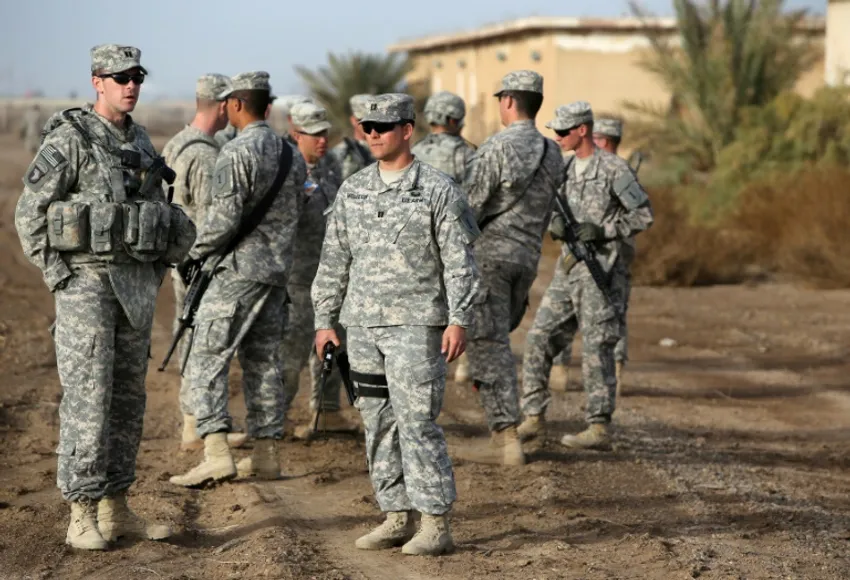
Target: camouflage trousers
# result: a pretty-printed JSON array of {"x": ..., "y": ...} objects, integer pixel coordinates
[
  {"x": 499, "y": 307},
  {"x": 185, "y": 382},
  {"x": 102, "y": 362},
  {"x": 239, "y": 315},
  {"x": 573, "y": 302},
  {"x": 406, "y": 450},
  {"x": 298, "y": 350},
  {"x": 621, "y": 350}
]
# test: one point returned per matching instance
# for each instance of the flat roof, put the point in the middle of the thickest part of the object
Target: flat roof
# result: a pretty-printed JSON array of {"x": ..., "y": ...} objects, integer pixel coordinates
[{"x": 552, "y": 24}]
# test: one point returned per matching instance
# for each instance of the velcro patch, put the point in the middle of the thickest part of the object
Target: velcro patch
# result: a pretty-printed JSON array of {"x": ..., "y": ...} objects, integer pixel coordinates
[
  {"x": 223, "y": 178},
  {"x": 48, "y": 160},
  {"x": 629, "y": 191},
  {"x": 461, "y": 212}
]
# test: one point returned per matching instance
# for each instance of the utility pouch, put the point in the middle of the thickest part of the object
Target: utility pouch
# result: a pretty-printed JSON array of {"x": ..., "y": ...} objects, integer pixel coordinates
[
  {"x": 104, "y": 223},
  {"x": 68, "y": 226}
]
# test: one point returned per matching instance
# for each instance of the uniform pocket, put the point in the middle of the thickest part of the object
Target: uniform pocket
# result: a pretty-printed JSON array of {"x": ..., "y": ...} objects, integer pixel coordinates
[
  {"x": 215, "y": 331},
  {"x": 483, "y": 323},
  {"x": 428, "y": 385}
]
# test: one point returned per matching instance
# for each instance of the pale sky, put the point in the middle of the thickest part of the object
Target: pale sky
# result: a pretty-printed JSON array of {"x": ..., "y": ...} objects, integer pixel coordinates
[{"x": 44, "y": 44}]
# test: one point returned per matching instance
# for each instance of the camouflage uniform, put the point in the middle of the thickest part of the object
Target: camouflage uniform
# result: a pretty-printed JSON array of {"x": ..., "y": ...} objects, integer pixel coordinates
[
  {"x": 396, "y": 268},
  {"x": 225, "y": 135},
  {"x": 31, "y": 129},
  {"x": 609, "y": 128},
  {"x": 320, "y": 192},
  {"x": 352, "y": 155},
  {"x": 244, "y": 306},
  {"x": 447, "y": 152},
  {"x": 510, "y": 183},
  {"x": 76, "y": 222},
  {"x": 608, "y": 195},
  {"x": 191, "y": 153}
]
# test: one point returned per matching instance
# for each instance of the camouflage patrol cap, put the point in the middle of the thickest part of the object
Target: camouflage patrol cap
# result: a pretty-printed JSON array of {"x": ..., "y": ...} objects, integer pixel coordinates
[
  {"x": 359, "y": 105},
  {"x": 521, "y": 80},
  {"x": 389, "y": 108},
  {"x": 310, "y": 118},
  {"x": 114, "y": 58},
  {"x": 289, "y": 101},
  {"x": 442, "y": 106},
  {"x": 570, "y": 116},
  {"x": 257, "y": 80},
  {"x": 210, "y": 86},
  {"x": 608, "y": 128}
]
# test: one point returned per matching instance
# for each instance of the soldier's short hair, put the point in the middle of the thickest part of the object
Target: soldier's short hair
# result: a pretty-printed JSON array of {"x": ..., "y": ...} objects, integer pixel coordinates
[
  {"x": 256, "y": 101},
  {"x": 527, "y": 102}
]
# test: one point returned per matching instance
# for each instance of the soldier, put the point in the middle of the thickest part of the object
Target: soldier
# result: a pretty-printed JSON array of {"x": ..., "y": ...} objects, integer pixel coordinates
[
  {"x": 244, "y": 306},
  {"x": 607, "y": 134},
  {"x": 352, "y": 153},
  {"x": 85, "y": 219},
  {"x": 191, "y": 154},
  {"x": 611, "y": 206},
  {"x": 511, "y": 183},
  {"x": 311, "y": 132},
  {"x": 229, "y": 132},
  {"x": 289, "y": 101},
  {"x": 397, "y": 270},
  {"x": 444, "y": 148},
  {"x": 31, "y": 129}
]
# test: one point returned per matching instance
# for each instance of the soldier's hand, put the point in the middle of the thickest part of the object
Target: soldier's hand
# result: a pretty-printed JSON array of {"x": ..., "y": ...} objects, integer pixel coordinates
[
  {"x": 322, "y": 338},
  {"x": 454, "y": 342},
  {"x": 558, "y": 228},
  {"x": 588, "y": 232},
  {"x": 188, "y": 268}
]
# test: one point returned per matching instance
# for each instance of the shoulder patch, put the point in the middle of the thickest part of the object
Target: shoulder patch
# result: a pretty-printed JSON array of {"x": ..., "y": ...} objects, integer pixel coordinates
[
  {"x": 48, "y": 160},
  {"x": 459, "y": 209},
  {"x": 629, "y": 191},
  {"x": 223, "y": 178}
]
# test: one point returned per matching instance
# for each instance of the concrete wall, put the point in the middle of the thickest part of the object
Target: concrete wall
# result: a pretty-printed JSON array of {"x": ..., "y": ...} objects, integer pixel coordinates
[{"x": 837, "y": 71}]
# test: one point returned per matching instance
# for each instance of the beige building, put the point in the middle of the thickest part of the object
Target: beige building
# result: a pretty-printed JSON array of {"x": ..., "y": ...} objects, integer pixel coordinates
[
  {"x": 837, "y": 71},
  {"x": 603, "y": 54}
]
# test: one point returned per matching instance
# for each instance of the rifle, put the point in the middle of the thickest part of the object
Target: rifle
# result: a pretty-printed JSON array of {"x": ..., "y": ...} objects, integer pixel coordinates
[
  {"x": 584, "y": 252},
  {"x": 202, "y": 276},
  {"x": 345, "y": 373},
  {"x": 327, "y": 367},
  {"x": 637, "y": 159}
]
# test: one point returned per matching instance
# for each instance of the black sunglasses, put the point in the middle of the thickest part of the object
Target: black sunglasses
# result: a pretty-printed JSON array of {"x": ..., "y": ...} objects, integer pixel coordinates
[
  {"x": 381, "y": 128},
  {"x": 124, "y": 78},
  {"x": 564, "y": 132}
]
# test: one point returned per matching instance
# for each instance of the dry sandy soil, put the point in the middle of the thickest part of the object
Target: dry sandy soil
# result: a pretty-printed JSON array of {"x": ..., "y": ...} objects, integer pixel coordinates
[{"x": 731, "y": 458}]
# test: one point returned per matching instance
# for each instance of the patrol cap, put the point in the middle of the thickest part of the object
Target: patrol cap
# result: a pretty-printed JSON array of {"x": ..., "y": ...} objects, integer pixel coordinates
[
  {"x": 210, "y": 86},
  {"x": 257, "y": 80},
  {"x": 572, "y": 115},
  {"x": 310, "y": 118},
  {"x": 389, "y": 108},
  {"x": 608, "y": 128},
  {"x": 114, "y": 58},
  {"x": 442, "y": 106},
  {"x": 289, "y": 101},
  {"x": 521, "y": 80},
  {"x": 359, "y": 105}
]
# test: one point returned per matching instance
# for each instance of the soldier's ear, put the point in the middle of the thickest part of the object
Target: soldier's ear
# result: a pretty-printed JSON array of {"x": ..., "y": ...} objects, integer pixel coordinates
[{"x": 407, "y": 131}]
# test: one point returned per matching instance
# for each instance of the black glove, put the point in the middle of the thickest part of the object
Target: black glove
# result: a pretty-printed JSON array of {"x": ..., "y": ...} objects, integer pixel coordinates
[
  {"x": 558, "y": 228},
  {"x": 588, "y": 232},
  {"x": 188, "y": 268}
]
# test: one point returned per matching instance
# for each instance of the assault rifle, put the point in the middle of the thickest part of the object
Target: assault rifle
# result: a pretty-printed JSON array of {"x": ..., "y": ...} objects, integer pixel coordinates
[{"x": 584, "y": 252}]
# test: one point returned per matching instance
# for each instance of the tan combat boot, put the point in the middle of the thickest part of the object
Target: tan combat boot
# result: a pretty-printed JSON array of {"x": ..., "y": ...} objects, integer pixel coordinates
[
  {"x": 433, "y": 538},
  {"x": 396, "y": 530},
  {"x": 462, "y": 370},
  {"x": 264, "y": 462},
  {"x": 217, "y": 464},
  {"x": 115, "y": 519},
  {"x": 508, "y": 440},
  {"x": 596, "y": 436},
  {"x": 618, "y": 369},
  {"x": 82, "y": 531},
  {"x": 190, "y": 440},
  {"x": 559, "y": 378},
  {"x": 533, "y": 427}
]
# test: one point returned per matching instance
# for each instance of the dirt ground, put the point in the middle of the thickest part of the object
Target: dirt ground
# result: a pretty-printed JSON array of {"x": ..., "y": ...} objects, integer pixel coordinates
[{"x": 731, "y": 458}]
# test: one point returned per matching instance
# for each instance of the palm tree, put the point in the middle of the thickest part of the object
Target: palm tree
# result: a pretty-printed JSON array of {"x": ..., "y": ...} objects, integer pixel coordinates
[
  {"x": 355, "y": 73},
  {"x": 732, "y": 54}
]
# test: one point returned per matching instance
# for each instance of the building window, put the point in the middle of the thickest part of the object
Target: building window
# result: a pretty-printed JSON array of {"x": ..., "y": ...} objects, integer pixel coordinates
[
  {"x": 461, "y": 63},
  {"x": 438, "y": 64},
  {"x": 535, "y": 55},
  {"x": 473, "y": 90},
  {"x": 501, "y": 56},
  {"x": 460, "y": 82}
]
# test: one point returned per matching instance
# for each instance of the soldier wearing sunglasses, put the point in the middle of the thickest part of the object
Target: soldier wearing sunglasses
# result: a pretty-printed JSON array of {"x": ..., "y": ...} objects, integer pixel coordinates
[
  {"x": 611, "y": 207},
  {"x": 397, "y": 272},
  {"x": 511, "y": 182},
  {"x": 94, "y": 218}
]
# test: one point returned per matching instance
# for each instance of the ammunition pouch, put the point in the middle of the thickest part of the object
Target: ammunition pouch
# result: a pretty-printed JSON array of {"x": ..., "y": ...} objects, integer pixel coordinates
[
  {"x": 105, "y": 226},
  {"x": 68, "y": 226},
  {"x": 181, "y": 236}
]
